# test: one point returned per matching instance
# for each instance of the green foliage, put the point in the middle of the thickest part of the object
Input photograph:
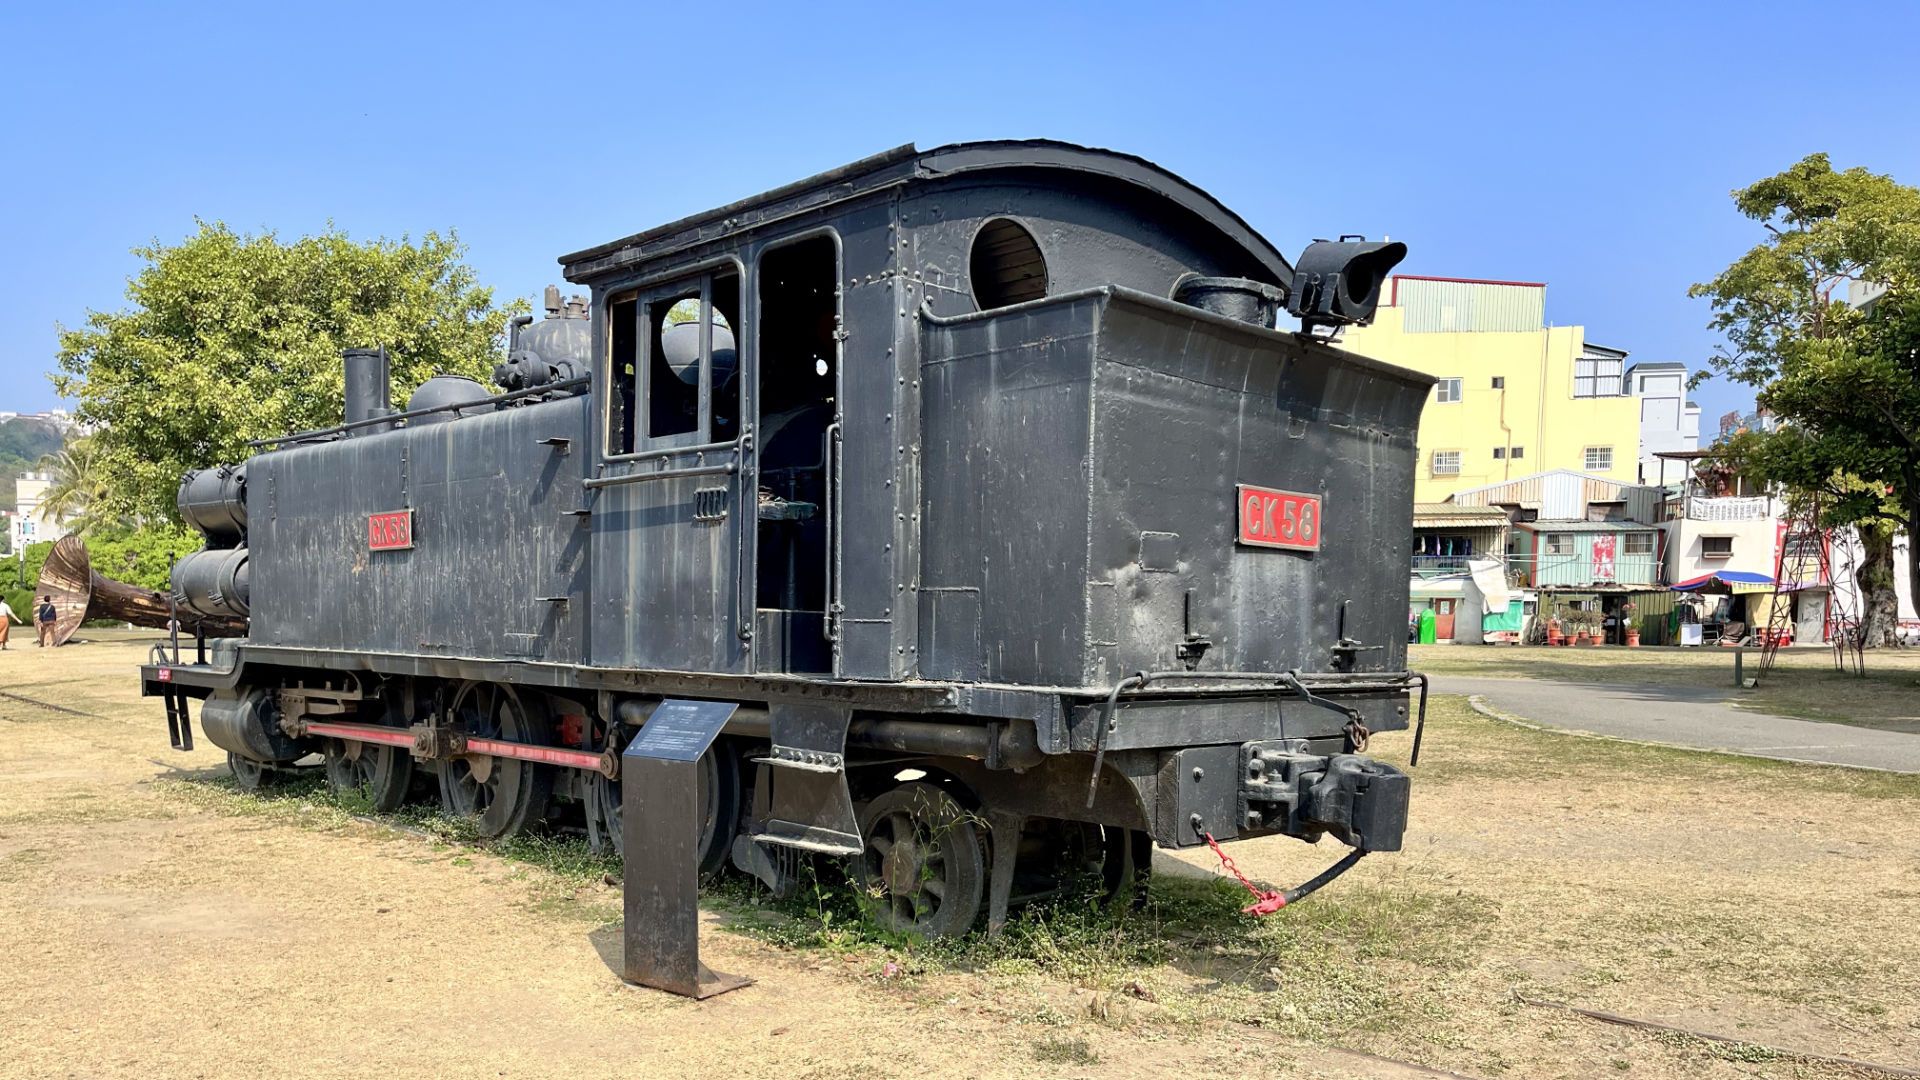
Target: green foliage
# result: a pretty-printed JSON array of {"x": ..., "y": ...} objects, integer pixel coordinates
[
  {"x": 23, "y": 442},
  {"x": 36, "y": 557},
  {"x": 135, "y": 556},
  {"x": 80, "y": 493},
  {"x": 1845, "y": 381},
  {"x": 233, "y": 337},
  {"x": 1824, "y": 230},
  {"x": 139, "y": 556},
  {"x": 17, "y": 588},
  {"x": 20, "y": 600}
]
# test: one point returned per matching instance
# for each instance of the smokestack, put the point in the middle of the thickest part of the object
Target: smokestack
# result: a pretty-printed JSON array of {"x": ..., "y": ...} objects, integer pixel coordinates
[{"x": 369, "y": 389}]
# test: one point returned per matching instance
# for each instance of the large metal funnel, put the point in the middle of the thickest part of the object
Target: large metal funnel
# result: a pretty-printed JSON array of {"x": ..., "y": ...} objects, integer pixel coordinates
[{"x": 79, "y": 594}]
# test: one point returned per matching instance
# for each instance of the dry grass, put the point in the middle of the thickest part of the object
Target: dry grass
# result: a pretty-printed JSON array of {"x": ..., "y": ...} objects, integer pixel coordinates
[
  {"x": 1770, "y": 902},
  {"x": 1803, "y": 684}
]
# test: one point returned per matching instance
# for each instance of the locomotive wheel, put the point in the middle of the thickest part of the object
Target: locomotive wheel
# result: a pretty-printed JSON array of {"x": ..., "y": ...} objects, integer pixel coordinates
[
  {"x": 382, "y": 774},
  {"x": 923, "y": 868},
  {"x": 719, "y": 788},
  {"x": 248, "y": 774},
  {"x": 1128, "y": 865},
  {"x": 503, "y": 796}
]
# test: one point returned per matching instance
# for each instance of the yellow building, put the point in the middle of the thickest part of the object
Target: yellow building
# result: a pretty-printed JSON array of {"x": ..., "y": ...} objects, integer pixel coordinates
[{"x": 1515, "y": 397}]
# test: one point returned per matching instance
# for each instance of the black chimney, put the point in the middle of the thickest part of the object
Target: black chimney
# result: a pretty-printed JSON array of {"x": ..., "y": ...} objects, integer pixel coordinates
[{"x": 369, "y": 393}]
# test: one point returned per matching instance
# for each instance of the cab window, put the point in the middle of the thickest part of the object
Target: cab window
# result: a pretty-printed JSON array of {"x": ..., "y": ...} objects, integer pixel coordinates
[{"x": 674, "y": 365}]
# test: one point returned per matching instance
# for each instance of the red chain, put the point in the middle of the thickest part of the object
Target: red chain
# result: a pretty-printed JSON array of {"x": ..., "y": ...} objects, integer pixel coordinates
[{"x": 1265, "y": 902}]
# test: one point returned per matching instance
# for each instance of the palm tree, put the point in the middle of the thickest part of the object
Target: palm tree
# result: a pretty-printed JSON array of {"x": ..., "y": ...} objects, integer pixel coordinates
[{"x": 79, "y": 485}]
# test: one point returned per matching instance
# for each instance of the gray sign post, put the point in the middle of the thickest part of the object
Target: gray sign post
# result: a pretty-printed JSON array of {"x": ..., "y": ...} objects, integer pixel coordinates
[{"x": 660, "y": 816}]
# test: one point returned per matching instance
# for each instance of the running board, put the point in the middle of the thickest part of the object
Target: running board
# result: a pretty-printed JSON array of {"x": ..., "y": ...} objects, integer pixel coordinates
[
  {"x": 809, "y": 838},
  {"x": 806, "y": 804}
]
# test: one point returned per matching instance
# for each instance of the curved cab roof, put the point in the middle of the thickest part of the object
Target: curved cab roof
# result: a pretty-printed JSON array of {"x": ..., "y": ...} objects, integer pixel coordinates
[{"x": 908, "y": 164}]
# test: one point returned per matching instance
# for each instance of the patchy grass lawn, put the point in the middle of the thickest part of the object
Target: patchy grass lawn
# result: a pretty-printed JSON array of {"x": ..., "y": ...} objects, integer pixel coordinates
[
  {"x": 1612, "y": 875},
  {"x": 1803, "y": 683},
  {"x": 1768, "y": 902}
]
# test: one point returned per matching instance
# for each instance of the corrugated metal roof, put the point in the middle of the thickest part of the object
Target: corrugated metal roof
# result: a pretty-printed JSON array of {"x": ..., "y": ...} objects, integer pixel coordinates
[
  {"x": 1453, "y": 516},
  {"x": 1585, "y": 526},
  {"x": 1436, "y": 306},
  {"x": 1563, "y": 493}
]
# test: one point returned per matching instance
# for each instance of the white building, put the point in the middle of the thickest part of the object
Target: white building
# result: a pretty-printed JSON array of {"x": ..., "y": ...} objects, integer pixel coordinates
[
  {"x": 1669, "y": 423},
  {"x": 28, "y": 525}
]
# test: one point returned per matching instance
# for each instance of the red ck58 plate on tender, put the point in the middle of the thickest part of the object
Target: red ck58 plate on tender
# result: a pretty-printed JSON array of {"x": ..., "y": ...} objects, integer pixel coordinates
[
  {"x": 390, "y": 531},
  {"x": 1278, "y": 519}
]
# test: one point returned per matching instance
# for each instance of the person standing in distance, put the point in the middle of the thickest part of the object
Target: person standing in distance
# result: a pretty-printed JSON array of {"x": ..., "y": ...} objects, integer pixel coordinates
[
  {"x": 43, "y": 620},
  {"x": 7, "y": 619}
]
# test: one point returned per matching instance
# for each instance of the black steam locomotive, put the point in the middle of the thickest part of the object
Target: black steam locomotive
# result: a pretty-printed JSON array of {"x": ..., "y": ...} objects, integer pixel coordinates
[{"x": 979, "y": 479}]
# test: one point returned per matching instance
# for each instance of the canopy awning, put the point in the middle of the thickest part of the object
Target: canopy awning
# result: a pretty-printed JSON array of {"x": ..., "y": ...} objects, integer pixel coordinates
[{"x": 1724, "y": 577}]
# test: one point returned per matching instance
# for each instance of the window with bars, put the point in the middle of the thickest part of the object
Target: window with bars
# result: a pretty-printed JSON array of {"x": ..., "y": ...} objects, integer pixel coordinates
[
  {"x": 1595, "y": 376},
  {"x": 1599, "y": 458},
  {"x": 1446, "y": 462},
  {"x": 1638, "y": 544},
  {"x": 1559, "y": 543}
]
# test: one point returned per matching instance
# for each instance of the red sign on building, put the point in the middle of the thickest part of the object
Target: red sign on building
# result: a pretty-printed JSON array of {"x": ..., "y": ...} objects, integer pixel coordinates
[
  {"x": 1603, "y": 549},
  {"x": 1279, "y": 519},
  {"x": 390, "y": 531}
]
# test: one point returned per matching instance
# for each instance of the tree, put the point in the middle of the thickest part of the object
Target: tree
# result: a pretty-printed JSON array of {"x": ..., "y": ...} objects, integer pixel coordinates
[
  {"x": 233, "y": 337},
  {"x": 79, "y": 493},
  {"x": 1843, "y": 378}
]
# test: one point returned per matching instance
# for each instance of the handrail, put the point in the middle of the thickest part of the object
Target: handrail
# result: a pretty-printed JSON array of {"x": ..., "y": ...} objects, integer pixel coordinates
[
  {"x": 830, "y": 626},
  {"x": 618, "y": 479},
  {"x": 675, "y": 451},
  {"x": 392, "y": 418}
]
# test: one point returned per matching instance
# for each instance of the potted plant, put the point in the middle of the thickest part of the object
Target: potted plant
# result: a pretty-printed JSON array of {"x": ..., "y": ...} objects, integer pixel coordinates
[
  {"x": 1630, "y": 625},
  {"x": 1556, "y": 634}
]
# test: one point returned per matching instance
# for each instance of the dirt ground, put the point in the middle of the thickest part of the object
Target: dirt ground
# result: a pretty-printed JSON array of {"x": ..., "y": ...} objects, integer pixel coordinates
[{"x": 154, "y": 923}]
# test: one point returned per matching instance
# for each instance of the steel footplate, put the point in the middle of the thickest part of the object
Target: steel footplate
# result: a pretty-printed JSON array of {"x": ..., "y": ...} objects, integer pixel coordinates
[{"x": 812, "y": 838}]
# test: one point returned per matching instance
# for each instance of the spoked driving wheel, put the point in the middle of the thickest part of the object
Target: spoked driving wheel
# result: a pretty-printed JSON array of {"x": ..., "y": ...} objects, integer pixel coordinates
[
  {"x": 249, "y": 775},
  {"x": 923, "y": 869},
  {"x": 503, "y": 796},
  {"x": 719, "y": 792},
  {"x": 379, "y": 774}
]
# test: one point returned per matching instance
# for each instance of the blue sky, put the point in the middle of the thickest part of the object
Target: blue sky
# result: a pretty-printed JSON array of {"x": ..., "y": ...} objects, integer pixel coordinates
[{"x": 1592, "y": 149}]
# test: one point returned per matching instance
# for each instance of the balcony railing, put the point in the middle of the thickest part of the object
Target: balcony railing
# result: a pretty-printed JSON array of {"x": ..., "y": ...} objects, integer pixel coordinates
[
  {"x": 1438, "y": 565},
  {"x": 1727, "y": 508}
]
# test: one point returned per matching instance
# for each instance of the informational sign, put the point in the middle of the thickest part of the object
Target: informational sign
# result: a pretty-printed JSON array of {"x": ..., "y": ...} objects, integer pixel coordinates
[
  {"x": 1278, "y": 519},
  {"x": 1603, "y": 549},
  {"x": 681, "y": 730},
  {"x": 390, "y": 531},
  {"x": 660, "y": 810}
]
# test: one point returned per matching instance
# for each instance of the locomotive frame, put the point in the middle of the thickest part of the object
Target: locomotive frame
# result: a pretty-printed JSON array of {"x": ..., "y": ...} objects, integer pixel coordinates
[{"x": 964, "y": 385}]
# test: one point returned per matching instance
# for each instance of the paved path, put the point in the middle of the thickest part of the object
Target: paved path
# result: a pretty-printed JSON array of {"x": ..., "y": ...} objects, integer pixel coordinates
[{"x": 1698, "y": 717}]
